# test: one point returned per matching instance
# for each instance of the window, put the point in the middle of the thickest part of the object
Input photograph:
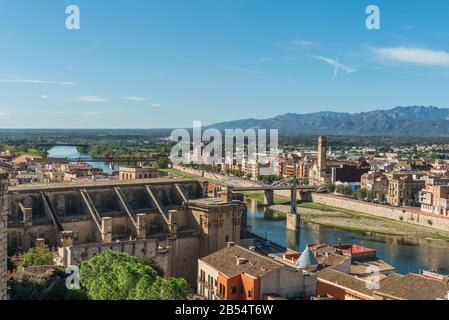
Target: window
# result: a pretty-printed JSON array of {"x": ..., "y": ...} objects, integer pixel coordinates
[
  {"x": 249, "y": 294},
  {"x": 234, "y": 290},
  {"x": 227, "y": 238}
]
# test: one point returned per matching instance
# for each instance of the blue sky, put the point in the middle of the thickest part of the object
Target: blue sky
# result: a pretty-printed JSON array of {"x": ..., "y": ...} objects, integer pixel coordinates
[{"x": 165, "y": 63}]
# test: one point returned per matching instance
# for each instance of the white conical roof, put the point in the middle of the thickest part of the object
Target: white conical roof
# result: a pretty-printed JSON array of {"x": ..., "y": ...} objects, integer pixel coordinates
[{"x": 307, "y": 259}]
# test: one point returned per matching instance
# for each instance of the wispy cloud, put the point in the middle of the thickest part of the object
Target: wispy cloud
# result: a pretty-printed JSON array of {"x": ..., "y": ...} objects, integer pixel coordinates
[
  {"x": 337, "y": 65},
  {"x": 303, "y": 43},
  {"x": 89, "y": 99},
  {"x": 141, "y": 99},
  {"x": 44, "y": 96},
  {"x": 247, "y": 70},
  {"x": 155, "y": 104},
  {"x": 262, "y": 59},
  {"x": 414, "y": 55},
  {"x": 5, "y": 114},
  {"x": 95, "y": 46},
  {"x": 29, "y": 81}
]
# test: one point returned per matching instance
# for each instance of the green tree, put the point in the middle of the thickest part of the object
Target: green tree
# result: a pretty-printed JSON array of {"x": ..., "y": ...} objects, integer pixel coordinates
[
  {"x": 37, "y": 256},
  {"x": 361, "y": 194},
  {"x": 372, "y": 195},
  {"x": 381, "y": 195},
  {"x": 174, "y": 289},
  {"x": 330, "y": 187},
  {"x": 118, "y": 276},
  {"x": 162, "y": 163}
]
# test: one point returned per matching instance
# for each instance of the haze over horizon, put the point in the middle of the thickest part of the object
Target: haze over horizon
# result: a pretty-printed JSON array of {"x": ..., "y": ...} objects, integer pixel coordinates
[{"x": 164, "y": 64}]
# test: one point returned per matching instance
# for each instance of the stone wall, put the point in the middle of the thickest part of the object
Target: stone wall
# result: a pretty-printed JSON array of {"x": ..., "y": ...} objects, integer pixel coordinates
[
  {"x": 410, "y": 215},
  {"x": 141, "y": 248},
  {"x": 4, "y": 207}
]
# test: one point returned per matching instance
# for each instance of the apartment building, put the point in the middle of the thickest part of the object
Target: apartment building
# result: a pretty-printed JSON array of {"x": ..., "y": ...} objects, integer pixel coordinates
[
  {"x": 435, "y": 199},
  {"x": 374, "y": 181},
  {"x": 402, "y": 189}
]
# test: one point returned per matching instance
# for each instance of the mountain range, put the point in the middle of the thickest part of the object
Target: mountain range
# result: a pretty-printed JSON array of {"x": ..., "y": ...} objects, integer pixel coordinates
[{"x": 400, "y": 121}]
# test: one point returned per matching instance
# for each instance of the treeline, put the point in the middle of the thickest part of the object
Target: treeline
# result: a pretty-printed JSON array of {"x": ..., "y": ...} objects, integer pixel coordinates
[{"x": 109, "y": 275}]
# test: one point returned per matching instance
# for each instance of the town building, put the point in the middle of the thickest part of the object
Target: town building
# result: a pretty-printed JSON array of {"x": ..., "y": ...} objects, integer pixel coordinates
[
  {"x": 253, "y": 168},
  {"x": 374, "y": 181},
  {"x": 170, "y": 220},
  {"x": 425, "y": 286},
  {"x": 403, "y": 188},
  {"x": 434, "y": 199},
  {"x": 347, "y": 173},
  {"x": 133, "y": 173},
  {"x": 319, "y": 173},
  {"x": 237, "y": 273}
]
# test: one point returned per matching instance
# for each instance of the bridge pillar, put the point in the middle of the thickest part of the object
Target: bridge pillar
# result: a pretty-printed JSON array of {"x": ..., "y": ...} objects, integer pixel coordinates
[
  {"x": 141, "y": 226},
  {"x": 106, "y": 230},
  {"x": 293, "y": 221},
  {"x": 268, "y": 197}
]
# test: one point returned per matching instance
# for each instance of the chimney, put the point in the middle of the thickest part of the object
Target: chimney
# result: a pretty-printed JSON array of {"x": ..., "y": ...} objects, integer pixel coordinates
[
  {"x": 241, "y": 261},
  {"x": 231, "y": 244},
  {"x": 252, "y": 248}
]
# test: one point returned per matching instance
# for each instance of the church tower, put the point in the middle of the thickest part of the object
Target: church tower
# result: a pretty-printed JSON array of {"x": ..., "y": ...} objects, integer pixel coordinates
[{"x": 322, "y": 154}]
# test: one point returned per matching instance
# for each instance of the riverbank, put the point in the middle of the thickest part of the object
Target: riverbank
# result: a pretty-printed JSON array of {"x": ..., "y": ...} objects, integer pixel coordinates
[
  {"x": 347, "y": 220},
  {"x": 358, "y": 222}
]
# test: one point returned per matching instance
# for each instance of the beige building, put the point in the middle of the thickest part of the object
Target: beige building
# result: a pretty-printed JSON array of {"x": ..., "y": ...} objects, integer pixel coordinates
[
  {"x": 170, "y": 220},
  {"x": 375, "y": 181},
  {"x": 253, "y": 168},
  {"x": 402, "y": 189},
  {"x": 134, "y": 173},
  {"x": 435, "y": 199},
  {"x": 54, "y": 176},
  {"x": 319, "y": 173}
]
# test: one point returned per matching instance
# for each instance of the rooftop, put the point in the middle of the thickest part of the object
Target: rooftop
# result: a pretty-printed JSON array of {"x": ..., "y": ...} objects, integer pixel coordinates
[
  {"x": 97, "y": 184},
  {"x": 252, "y": 263},
  {"x": 413, "y": 287},
  {"x": 344, "y": 280}
]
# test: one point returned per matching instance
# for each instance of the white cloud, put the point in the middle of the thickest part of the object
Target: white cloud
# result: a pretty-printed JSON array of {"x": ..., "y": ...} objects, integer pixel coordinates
[
  {"x": 95, "y": 45},
  {"x": 89, "y": 99},
  {"x": 337, "y": 65},
  {"x": 44, "y": 96},
  {"x": 303, "y": 43},
  {"x": 155, "y": 105},
  {"x": 262, "y": 59},
  {"x": 142, "y": 99},
  {"x": 5, "y": 114},
  {"x": 412, "y": 55},
  {"x": 29, "y": 81},
  {"x": 244, "y": 70}
]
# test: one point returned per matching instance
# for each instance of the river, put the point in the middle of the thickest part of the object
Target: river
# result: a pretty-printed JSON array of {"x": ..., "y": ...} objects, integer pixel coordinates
[
  {"x": 72, "y": 152},
  {"x": 405, "y": 258},
  {"x": 266, "y": 223}
]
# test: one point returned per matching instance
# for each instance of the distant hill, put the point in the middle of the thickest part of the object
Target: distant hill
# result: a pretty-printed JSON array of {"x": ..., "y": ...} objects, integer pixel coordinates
[{"x": 400, "y": 121}]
